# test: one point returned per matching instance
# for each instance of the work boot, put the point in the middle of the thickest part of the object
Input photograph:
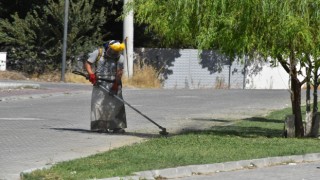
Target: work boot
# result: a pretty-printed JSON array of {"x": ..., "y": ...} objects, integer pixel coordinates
[{"x": 118, "y": 130}]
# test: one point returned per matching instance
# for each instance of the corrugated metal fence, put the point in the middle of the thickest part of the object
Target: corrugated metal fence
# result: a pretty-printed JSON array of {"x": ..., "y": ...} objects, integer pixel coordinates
[{"x": 191, "y": 69}]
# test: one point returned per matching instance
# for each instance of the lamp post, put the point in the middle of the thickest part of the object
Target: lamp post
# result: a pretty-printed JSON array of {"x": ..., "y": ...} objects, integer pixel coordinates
[{"x": 65, "y": 33}]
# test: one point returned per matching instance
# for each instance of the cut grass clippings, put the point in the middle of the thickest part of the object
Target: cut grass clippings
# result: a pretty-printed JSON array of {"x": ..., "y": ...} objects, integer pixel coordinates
[{"x": 251, "y": 138}]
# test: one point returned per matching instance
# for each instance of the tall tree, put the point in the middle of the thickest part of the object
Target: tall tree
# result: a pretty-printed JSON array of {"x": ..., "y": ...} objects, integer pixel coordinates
[
  {"x": 22, "y": 7},
  {"x": 285, "y": 30},
  {"x": 36, "y": 40}
]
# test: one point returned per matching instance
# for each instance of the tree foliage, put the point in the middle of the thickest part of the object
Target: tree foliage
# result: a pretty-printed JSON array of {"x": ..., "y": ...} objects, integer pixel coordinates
[
  {"x": 35, "y": 41},
  {"x": 240, "y": 26},
  {"x": 286, "y": 30},
  {"x": 22, "y": 7}
]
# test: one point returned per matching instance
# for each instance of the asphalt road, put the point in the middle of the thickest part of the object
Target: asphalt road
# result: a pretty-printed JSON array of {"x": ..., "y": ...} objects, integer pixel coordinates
[{"x": 43, "y": 126}]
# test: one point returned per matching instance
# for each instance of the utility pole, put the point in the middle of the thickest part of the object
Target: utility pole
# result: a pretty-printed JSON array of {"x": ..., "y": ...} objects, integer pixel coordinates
[
  {"x": 65, "y": 33},
  {"x": 128, "y": 35}
]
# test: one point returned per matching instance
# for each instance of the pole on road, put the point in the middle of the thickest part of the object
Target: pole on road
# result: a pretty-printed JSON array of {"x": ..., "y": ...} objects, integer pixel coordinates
[{"x": 65, "y": 33}]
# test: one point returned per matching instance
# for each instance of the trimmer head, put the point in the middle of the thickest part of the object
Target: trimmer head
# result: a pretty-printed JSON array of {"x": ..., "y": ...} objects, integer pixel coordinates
[{"x": 164, "y": 132}]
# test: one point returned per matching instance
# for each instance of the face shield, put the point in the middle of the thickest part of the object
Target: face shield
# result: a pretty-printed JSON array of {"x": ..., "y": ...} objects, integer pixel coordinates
[{"x": 114, "y": 49}]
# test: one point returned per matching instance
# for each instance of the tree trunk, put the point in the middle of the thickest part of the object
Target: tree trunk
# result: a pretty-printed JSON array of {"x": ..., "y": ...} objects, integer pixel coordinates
[
  {"x": 296, "y": 105},
  {"x": 315, "y": 125},
  {"x": 296, "y": 96},
  {"x": 315, "y": 121},
  {"x": 291, "y": 69},
  {"x": 309, "y": 113}
]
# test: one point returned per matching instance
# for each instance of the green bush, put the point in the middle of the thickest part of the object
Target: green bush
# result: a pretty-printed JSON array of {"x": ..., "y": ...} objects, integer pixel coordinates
[{"x": 35, "y": 42}]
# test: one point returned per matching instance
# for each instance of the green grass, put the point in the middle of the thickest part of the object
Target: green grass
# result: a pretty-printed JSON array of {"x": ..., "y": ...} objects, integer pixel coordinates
[{"x": 256, "y": 137}]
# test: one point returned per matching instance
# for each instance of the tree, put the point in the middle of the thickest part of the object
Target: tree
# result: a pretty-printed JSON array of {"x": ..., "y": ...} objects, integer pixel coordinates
[
  {"x": 43, "y": 19},
  {"x": 22, "y": 7},
  {"x": 312, "y": 78},
  {"x": 285, "y": 30},
  {"x": 36, "y": 40}
]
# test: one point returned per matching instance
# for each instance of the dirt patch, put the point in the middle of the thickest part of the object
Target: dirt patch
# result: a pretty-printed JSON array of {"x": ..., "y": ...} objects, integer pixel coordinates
[
  {"x": 12, "y": 75},
  {"x": 46, "y": 77},
  {"x": 145, "y": 77}
]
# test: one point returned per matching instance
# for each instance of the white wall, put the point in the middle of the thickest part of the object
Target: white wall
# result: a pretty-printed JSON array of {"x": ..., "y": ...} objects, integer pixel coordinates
[
  {"x": 263, "y": 76},
  {"x": 3, "y": 60}
]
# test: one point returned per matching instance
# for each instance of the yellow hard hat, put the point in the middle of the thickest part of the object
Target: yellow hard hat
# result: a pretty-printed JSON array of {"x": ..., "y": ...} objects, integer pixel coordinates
[{"x": 117, "y": 46}]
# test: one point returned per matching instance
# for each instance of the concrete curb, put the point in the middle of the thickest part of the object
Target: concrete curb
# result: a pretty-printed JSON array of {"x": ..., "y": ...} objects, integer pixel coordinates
[
  {"x": 9, "y": 85},
  {"x": 20, "y": 86},
  {"x": 28, "y": 171},
  {"x": 36, "y": 96},
  {"x": 192, "y": 170}
]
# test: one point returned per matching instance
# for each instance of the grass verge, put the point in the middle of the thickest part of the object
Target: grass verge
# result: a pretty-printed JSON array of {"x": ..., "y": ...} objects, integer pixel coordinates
[{"x": 256, "y": 137}]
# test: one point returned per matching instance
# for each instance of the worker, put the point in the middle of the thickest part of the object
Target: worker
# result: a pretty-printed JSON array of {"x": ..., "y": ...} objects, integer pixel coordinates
[{"x": 105, "y": 68}]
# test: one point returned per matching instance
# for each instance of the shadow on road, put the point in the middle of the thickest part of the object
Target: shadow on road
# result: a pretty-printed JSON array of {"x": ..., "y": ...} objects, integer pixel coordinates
[
  {"x": 136, "y": 134},
  {"x": 212, "y": 120}
]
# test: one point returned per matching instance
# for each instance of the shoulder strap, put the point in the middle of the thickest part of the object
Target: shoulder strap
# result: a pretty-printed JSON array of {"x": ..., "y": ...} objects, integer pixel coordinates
[{"x": 99, "y": 55}]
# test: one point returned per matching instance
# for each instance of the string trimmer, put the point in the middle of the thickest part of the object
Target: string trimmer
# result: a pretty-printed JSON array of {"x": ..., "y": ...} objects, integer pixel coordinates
[{"x": 163, "y": 130}]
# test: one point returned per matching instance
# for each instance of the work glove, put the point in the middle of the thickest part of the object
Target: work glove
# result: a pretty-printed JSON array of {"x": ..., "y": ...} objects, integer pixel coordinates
[
  {"x": 114, "y": 88},
  {"x": 93, "y": 79}
]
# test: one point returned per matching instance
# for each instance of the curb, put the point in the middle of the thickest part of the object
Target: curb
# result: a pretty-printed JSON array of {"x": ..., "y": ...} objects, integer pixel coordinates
[
  {"x": 37, "y": 96},
  {"x": 193, "y": 170},
  {"x": 28, "y": 171},
  {"x": 8, "y": 85}
]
